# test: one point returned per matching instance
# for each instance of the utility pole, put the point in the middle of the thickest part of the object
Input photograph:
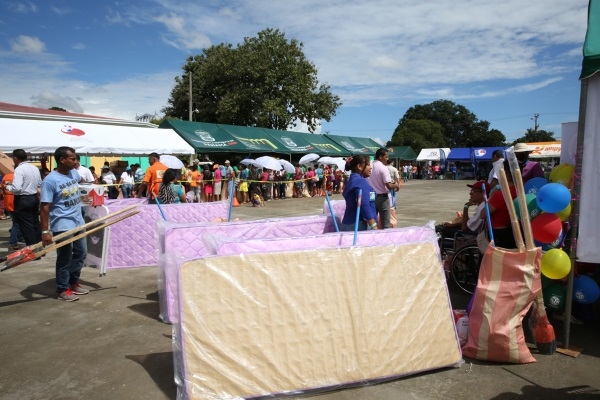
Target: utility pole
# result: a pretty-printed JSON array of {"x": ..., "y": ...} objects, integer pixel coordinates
[
  {"x": 190, "y": 95},
  {"x": 535, "y": 124},
  {"x": 189, "y": 69}
]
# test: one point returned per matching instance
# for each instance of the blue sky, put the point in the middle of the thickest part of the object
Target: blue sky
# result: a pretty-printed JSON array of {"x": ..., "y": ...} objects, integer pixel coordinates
[{"x": 503, "y": 60}]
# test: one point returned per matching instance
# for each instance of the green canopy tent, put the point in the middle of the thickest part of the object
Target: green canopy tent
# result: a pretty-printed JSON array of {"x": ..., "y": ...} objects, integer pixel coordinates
[
  {"x": 256, "y": 139},
  {"x": 205, "y": 137},
  {"x": 368, "y": 143},
  {"x": 402, "y": 153},
  {"x": 352, "y": 146},
  {"x": 303, "y": 143}
]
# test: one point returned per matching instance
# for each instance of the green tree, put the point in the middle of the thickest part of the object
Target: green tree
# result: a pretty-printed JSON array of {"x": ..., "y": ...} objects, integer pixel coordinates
[
  {"x": 418, "y": 134},
  {"x": 532, "y": 136},
  {"x": 460, "y": 127},
  {"x": 266, "y": 81}
]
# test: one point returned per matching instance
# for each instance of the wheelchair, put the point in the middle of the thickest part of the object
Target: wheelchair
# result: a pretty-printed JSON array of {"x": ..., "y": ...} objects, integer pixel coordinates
[{"x": 462, "y": 259}]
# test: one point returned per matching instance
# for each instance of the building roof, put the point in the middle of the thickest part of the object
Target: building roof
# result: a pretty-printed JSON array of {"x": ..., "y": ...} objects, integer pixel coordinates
[{"x": 8, "y": 110}]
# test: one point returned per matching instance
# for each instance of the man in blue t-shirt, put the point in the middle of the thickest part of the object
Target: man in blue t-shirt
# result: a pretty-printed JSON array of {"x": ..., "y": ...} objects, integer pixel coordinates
[{"x": 60, "y": 211}]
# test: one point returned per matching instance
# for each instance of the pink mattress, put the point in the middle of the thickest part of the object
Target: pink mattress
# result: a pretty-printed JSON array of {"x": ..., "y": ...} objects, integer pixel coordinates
[{"x": 132, "y": 242}]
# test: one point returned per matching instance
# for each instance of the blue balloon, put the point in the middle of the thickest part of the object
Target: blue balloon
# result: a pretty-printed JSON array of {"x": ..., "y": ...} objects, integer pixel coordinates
[
  {"x": 585, "y": 290},
  {"x": 557, "y": 244},
  {"x": 553, "y": 197},
  {"x": 534, "y": 184}
]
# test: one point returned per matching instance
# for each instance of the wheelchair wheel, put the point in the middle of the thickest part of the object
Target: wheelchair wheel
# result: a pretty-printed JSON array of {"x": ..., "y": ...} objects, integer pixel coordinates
[{"x": 465, "y": 268}]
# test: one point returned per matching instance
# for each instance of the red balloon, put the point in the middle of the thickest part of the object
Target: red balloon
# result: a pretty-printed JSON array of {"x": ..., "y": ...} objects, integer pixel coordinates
[{"x": 546, "y": 228}]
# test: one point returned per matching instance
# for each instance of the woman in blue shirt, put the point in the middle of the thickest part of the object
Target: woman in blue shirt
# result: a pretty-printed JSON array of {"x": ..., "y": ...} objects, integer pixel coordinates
[{"x": 360, "y": 166}]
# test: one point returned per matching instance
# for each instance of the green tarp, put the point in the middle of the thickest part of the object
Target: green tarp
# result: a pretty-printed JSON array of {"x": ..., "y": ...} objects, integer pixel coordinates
[
  {"x": 205, "y": 137},
  {"x": 591, "y": 46},
  {"x": 351, "y": 145},
  {"x": 220, "y": 138},
  {"x": 303, "y": 143},
  {"x": 402, "y": 153},
  {"x": 255, "y": 139},
  {"x": 368, "y": 143}
]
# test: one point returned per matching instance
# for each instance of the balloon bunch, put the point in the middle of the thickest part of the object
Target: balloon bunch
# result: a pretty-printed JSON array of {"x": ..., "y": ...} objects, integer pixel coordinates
[{"x": 549, "y": 208}]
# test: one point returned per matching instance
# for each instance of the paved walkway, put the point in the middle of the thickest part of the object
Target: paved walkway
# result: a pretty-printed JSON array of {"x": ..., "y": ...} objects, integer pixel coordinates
[{"x": 110, "y": 343}]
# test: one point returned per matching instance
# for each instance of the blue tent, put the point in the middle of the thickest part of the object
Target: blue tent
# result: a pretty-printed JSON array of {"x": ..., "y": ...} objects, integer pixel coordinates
[
  {"x": 460, "y": 154},
  {"x": 485, "y": 153}
]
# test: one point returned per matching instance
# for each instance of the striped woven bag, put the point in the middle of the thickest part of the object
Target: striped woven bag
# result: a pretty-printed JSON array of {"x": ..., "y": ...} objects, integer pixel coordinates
[{"x": 508, "y": 283}]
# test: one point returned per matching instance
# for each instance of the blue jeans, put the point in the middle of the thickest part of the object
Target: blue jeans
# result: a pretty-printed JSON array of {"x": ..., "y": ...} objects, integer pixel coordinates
[
  {"x": 69, "y": 261},
  {"x": 126, "y": 190},
  {"x": 14, "y": 231}
]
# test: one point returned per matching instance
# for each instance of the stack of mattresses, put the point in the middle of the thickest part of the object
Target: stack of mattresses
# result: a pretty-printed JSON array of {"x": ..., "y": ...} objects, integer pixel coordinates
[
  {"x": 296, "y": 321},
  {"x": 183, "y": 242},
  {"x": 132, "y": 242}
]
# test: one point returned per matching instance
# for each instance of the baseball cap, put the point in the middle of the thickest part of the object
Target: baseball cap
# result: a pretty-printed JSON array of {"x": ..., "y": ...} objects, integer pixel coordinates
[
  {"x": 226, "y": 161},
  {"x": 478, "y": 185},
  {"x": 105, "y": 167}
]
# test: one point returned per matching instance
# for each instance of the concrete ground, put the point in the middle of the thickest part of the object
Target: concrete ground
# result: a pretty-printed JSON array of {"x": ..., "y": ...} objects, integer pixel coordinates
[{"x": 111, "y": 344}]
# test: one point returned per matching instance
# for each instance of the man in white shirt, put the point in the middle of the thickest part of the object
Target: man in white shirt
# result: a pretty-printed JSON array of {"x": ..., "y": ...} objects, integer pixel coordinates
[
  {"x": 85, "y": 174},
  {"x": 110, "y": 179},
  {"x": 26, "y": 182},
  {"x": 497, "y": 162},
  {"x": 395, "y": 175}
]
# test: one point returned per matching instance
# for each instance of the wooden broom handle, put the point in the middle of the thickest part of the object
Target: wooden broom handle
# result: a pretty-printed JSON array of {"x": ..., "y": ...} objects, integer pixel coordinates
[
  {"x": 88, "y": 225},
  {"x": 120, "y": 217},
  {"x": 74, "y": 238},
  {"x": 523, "y": 206},
  {"x": 511, "y": 210}
]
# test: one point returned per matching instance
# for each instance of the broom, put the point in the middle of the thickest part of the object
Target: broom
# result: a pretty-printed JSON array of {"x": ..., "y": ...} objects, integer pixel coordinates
[{"x": 543, "y": 331}]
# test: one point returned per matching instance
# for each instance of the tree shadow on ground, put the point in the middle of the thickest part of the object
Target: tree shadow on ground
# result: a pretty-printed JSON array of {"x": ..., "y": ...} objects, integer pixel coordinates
[
  {"x": 159, "y": 367},
  {"x": 531, "y": 392}
]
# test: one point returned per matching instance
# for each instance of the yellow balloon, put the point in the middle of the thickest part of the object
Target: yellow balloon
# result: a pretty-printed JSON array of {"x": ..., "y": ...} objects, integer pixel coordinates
[
  {"x": 564, "y": 214},
  {"x": 563, "y": 173},
  {"x": 555, "y": 264}
]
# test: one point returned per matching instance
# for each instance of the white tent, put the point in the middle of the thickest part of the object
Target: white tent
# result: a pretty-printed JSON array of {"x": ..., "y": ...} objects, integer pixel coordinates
[
  {"x": 433, "y": 154},
  {"x": 40, "y": 136}
]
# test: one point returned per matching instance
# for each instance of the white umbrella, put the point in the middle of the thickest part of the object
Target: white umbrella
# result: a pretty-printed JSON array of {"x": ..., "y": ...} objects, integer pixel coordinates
[
  {"x": 269, "y": 163},
  {"x": 171, "y": 161},
  {"x": 288, "y": 166},
  {"x": 337, "y": 161},
  {"x": 249, "y": 161},
  {"x": 308, "y": 158}
]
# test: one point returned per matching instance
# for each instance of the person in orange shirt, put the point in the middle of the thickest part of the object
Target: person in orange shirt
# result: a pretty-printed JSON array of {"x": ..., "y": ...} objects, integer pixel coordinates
[
  {"x": 195, "y": 181},
  {"x": 9, "y": 209},
  {"x": 153, "y": 177}
]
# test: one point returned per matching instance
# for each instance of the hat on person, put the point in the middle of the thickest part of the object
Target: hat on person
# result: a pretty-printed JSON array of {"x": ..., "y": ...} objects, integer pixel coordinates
[
  {"x": 478, "y": 185},
  {"x": 522, "y": 148},
  {"x": 196, "y": 161},
  {"x": 226, "y": 161},
  {"x": 105, "y": 167},
  {"x": 128, "y": 169}
]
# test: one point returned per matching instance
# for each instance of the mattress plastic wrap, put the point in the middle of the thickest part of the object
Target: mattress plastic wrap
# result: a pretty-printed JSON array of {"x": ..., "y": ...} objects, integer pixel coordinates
[
  {"x": 297, "y": 322},
  {"x": 183, "y": 242},
  {"x": 132, "y": 241}
]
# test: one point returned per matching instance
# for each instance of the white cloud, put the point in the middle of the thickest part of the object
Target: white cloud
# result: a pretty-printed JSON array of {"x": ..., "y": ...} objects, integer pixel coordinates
[
  {"x": 27, "y": 45},
  {"x": 48, "y": 99},
  {"x": 61, "y": 10},
  {"x": 23, "y": 8},
  {"x": 371, "y": 52}
]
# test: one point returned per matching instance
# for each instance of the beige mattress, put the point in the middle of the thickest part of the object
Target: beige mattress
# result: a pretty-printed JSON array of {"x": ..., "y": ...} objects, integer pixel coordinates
[{"x": 260, "y": 324}]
